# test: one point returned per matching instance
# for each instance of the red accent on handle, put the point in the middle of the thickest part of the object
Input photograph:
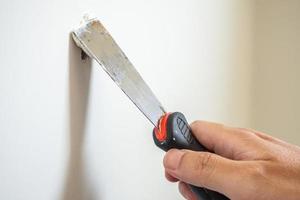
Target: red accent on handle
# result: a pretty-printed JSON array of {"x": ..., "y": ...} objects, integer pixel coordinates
[{"x": 161, "y": 129}]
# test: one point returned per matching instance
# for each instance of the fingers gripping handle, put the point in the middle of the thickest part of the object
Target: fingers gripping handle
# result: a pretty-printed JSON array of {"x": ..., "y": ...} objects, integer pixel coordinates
[{"x": 173, "y": 131}]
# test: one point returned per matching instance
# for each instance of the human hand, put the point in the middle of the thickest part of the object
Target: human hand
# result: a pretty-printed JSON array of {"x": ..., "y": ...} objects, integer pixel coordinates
[{"x": 246, "y": 165}]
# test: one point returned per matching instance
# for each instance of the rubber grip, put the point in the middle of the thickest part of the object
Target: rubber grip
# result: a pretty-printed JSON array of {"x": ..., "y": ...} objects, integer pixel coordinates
[{"x": 179, "y": 136}]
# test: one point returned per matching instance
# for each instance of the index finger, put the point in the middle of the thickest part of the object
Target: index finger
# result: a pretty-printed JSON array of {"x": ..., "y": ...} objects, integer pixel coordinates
[{"x": 224, "y": 140}]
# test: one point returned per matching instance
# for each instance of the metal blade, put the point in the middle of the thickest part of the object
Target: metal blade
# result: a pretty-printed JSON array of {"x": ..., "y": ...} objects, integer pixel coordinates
[{"x": 96, "y": 42}]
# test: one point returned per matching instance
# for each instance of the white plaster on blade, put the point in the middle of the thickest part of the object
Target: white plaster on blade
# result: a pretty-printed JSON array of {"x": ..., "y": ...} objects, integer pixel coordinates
[{"x": 77, "y": 33}]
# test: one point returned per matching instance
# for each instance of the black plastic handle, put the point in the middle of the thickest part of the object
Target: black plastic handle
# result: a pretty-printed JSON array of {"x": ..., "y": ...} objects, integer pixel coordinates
[{"x": 179, "y": 135}]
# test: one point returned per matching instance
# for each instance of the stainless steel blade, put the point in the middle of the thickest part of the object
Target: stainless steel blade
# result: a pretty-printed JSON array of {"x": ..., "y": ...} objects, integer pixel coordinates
[{"x": 96, "y": 42}]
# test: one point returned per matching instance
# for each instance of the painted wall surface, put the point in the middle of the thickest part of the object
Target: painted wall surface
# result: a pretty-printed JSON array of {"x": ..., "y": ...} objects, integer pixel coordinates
[
  {"x": 276, "y": 77},
  {"x": 66, "y": 130}
]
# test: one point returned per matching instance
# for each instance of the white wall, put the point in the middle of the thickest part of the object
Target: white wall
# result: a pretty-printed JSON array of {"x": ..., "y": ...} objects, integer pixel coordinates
[
  {"x": 276, "y": 78},
  {"x": 67, "y": 132}
]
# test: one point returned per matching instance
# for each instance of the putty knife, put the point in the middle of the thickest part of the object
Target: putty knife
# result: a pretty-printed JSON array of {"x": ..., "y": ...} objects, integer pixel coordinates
[{"x": 171, "y": 130}]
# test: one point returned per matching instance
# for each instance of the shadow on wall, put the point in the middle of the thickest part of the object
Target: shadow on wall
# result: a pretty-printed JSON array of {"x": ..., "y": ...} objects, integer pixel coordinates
[{"x": 75, "y": 187}]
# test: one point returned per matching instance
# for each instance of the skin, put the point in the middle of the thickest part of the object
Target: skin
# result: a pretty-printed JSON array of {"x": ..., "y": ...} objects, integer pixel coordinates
[{"x": 245, "y": 165}]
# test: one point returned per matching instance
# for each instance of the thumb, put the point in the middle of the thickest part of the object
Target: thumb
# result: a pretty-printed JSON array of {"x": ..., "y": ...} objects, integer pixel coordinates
[{"x": 203, "y": 169}]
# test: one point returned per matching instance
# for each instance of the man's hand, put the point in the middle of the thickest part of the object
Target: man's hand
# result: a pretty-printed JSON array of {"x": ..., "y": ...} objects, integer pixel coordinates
[{"x": 247, "y": 164}]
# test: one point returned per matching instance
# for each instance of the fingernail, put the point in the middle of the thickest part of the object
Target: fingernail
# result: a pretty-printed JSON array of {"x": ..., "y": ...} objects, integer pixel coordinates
[{"x": 172, "y": 159}]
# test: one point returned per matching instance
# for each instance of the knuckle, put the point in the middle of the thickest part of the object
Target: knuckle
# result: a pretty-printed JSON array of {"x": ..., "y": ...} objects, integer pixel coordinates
[
  {"x": 246, "y": 132},
  {"x": 261, "y": 170},
  {"x": 257, "y": 172},
  {"x": 205, "y": 165}
]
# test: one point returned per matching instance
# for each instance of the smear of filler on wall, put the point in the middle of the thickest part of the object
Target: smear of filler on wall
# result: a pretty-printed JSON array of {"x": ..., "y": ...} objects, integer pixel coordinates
[{"x": 171, "y": 130}]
